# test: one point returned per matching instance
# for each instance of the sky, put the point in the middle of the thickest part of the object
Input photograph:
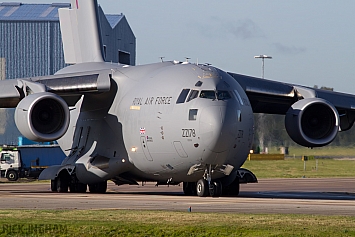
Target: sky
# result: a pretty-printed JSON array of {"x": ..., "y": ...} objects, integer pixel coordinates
[{"x": 311, "y": 42}]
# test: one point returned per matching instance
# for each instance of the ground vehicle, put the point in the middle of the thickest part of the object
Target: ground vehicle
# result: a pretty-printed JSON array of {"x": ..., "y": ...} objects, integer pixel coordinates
[{"x": 28, "y": 161}]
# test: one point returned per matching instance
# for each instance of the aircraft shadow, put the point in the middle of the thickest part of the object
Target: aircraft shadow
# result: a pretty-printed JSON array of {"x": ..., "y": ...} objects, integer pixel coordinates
[
  {"x": 299, "y": 195},
  {"x": 243, "y": 194}
]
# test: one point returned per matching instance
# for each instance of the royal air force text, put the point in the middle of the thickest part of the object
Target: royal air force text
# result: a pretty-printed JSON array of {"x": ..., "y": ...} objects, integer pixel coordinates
[{"x": 152, "y": 101}]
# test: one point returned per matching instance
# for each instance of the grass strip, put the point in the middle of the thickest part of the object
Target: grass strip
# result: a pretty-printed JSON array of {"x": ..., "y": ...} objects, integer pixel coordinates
[
  {"x": 166, "y": 223},
  {"x": 294, "y": 168}
]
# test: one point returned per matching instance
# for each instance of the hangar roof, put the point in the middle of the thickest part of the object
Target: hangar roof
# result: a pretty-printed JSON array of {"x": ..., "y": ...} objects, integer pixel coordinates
[
  {"x": 16, "y": 11},
  {"x": 113, "y": 19}
]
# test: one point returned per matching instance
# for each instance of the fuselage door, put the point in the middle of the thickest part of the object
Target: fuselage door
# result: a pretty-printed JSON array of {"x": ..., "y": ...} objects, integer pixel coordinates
[
  {"x": 145, "y": 148},
  {"x": 180, "y": 150}
]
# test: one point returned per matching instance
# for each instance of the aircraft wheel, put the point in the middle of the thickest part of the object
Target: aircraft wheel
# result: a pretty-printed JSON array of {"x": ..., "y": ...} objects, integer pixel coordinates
[
  {"x": 235, "y": 187},
  {"x": 12, "y": 175},
  {"x": 77, "y": 187},
  {"x": 62, "y": 184},
  {"x": 189, "y": 188},
  {"x": 202, "y": 188},
  {"x": 54, "y": 185},
  {"x": 232, "y": 189},
  {"x": 81, "y": 188},
  {"x": 216, "y": 189},
  {"x": 98, "y": 187}
]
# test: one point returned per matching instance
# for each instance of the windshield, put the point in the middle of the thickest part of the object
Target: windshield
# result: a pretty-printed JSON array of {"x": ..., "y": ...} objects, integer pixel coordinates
[
  {"x": 219, "y": 95},
  {"x": 223, "y": 95},
  {"x": 208, "y": 95},
  {"x": 193, "y": 95}
]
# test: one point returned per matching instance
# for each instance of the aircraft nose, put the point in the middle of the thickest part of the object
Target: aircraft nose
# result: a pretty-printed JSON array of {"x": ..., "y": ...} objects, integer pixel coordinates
[{"x": 217, "y": 128}]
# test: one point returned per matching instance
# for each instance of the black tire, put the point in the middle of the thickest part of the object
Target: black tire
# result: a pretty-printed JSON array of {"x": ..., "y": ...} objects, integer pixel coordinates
[
  {"x": 217, "y": 189},
  {"x": 54, "y": 185},
  {"x": 12, "y": 175},
  {"x": 81, "y": 188},
  {"x": 232, "y": 189},
  {"x": 202, "y": 188},
  {"x": 98, "y": 187},
  {"x": 62, "y": 184},
  {"x": 77, "y": 187},
  {"x": 189, "y": 188}
]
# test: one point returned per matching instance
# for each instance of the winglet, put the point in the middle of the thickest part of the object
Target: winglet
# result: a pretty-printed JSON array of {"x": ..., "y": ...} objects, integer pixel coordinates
[{"x": 80, "y": 30}]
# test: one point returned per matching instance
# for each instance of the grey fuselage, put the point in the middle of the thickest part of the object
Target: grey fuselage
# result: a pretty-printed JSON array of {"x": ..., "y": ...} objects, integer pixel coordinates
[{"x": 156, "y": 122}]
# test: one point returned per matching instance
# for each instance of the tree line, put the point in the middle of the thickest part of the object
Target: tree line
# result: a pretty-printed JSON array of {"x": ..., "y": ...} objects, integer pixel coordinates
[{"x": 270, "y": 131}]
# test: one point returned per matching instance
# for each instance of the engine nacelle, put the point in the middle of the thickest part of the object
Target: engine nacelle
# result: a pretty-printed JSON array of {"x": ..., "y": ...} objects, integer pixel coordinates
[
  {"x": 42, "y": 117},
  {"x": 312, "y": 122}
]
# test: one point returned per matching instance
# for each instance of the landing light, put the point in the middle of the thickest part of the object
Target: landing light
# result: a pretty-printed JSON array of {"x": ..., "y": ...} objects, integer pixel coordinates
[{"x": 134, "y": 149}]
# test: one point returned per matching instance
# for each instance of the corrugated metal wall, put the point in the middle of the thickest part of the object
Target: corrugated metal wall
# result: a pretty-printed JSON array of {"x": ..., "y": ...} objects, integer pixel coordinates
[
  {"x": 30, "y": 48},
  {"x": 2, "y": 68},
  {"x": 120, "y": 38},
  {"x": 127, "y": 40}
]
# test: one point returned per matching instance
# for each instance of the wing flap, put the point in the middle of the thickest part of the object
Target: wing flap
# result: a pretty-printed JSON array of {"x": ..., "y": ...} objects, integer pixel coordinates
[
  {"x": 76, "y": 83},
  {"x": 66, "y": 85}
]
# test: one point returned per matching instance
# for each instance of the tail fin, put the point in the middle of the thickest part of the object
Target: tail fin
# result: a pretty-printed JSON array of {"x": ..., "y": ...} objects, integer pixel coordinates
[{"x": 80, "y": 30}]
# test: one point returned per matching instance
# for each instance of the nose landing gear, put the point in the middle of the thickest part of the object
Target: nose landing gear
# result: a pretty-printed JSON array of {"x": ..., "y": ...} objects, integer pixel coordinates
[
  {"x": 204, "y": 189},
  {"x": 206, "y": 186},
  {"x": 226, "y": 186},
  {"x": 213, "y": 189}
]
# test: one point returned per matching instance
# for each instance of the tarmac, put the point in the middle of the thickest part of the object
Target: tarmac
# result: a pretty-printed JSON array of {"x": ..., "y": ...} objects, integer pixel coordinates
[{"x": 331, "y": 196}]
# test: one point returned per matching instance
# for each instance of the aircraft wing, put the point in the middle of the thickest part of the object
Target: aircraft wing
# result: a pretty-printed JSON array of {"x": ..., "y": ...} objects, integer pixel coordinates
[
  {"x": 272, "y": 97},
  {"x": 69, "y": 86}
]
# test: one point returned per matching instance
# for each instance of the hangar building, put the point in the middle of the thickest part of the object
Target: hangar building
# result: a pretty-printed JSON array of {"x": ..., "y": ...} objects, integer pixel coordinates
[{"x": 31, "y": 45}]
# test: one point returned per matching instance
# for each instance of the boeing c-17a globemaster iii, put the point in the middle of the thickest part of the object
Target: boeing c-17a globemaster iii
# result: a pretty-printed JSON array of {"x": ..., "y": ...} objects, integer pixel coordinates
[{"x": 169, "y": 122}]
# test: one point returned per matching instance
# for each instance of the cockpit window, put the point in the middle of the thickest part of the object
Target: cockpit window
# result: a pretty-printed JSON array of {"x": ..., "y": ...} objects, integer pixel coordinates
[
  {"x": 208, "y": 95},
  {"x": 193, "y": 114},
  {"x": 223, "y": 95},
  {"x": 219, "y": 95},
  {"x": 193, "y": 95},
  {"x": 182, "y": 96}
]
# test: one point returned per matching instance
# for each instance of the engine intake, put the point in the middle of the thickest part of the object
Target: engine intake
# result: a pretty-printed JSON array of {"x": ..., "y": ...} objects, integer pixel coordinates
[
  {"x": 42, "y": 117},
  {"x": 312, "y": 122}
]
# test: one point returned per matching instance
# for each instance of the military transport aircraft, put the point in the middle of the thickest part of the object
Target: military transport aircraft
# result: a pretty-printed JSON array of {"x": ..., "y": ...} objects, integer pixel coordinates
[{"x": 167, "y": 122}]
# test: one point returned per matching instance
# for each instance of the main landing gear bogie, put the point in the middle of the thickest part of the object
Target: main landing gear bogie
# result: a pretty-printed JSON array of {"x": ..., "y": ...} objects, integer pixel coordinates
[{"x": 64, "y": 183}]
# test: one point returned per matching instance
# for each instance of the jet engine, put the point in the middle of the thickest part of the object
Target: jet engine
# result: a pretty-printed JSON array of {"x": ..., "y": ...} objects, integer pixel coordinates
[
  {"x": 42, "y": 117},
  {"x": 312, "y": 122}
]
